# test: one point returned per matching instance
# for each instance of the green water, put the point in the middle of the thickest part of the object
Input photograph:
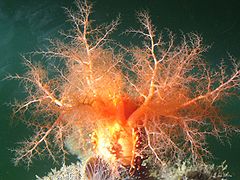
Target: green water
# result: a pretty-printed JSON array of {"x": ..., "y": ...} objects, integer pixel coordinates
[{"x": 25, "y": 25}]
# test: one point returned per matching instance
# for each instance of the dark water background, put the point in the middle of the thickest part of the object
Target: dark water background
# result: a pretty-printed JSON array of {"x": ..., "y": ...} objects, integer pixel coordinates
[{"x": 25, "y": 25}]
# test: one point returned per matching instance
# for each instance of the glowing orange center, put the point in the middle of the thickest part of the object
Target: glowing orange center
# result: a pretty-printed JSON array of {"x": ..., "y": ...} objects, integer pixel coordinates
[{"x": 113, "y": 139}]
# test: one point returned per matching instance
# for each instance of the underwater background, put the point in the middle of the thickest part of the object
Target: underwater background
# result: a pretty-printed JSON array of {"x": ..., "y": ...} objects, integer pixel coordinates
[{"x": 25, "y": 26}]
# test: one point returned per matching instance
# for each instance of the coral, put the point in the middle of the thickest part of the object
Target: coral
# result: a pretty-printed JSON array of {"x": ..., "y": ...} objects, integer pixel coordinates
[
  {"x": 186, "y": 170},
  {"x": 180, "y": 170},
  {"x": 72, "y": 172}
]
